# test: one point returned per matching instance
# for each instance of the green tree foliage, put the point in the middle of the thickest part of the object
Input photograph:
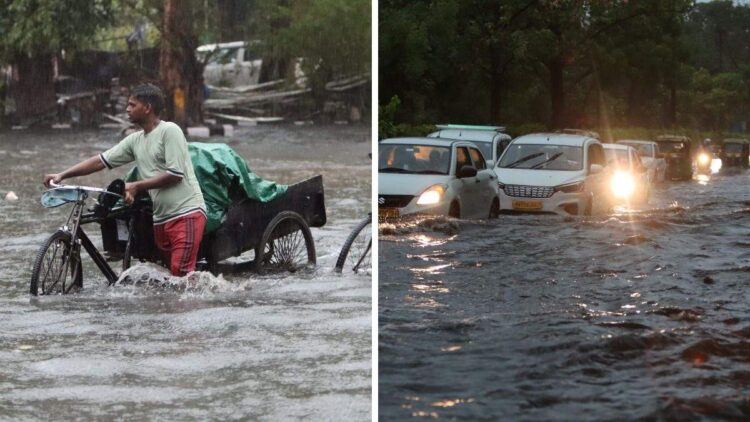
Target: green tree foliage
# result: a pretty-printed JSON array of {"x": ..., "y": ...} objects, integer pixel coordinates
[
  {"x": 36, "y": 27},
  {"x": 655, "y": 64},
  {"x": 33, "y": 31}
]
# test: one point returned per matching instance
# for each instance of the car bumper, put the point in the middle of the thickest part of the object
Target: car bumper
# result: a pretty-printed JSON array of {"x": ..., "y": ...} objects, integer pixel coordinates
[
  {"x": 559, "y": 203},
  {"x": 412, "y": 209}
]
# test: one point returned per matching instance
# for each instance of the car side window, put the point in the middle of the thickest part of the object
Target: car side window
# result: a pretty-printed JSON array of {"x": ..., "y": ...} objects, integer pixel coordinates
[
  {"x": 477, "y": 158},
  {"x": 596, "y": 156},
  {"x": 462, "y": 158},
  {"x": 501, "y": 147}
]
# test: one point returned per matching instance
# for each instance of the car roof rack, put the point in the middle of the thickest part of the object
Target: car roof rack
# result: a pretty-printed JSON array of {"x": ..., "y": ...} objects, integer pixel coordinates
[
  {"x": 582, "y": 132},
  {"x": 471, "y": 127}
]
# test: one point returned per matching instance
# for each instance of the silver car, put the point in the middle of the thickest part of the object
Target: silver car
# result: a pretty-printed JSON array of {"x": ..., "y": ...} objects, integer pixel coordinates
[{"x": 434, "y": 176}]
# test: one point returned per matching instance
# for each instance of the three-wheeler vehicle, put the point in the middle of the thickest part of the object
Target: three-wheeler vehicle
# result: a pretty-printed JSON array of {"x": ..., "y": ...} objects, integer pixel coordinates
[
  {"x": 735, "y": 153},
  {"x": 274, "y": 229},
  {"x": 677, "y": 154}
]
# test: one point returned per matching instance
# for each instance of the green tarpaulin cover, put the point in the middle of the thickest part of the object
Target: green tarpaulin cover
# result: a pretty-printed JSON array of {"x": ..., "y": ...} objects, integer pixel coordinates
[{"x": 216, "y": 167}]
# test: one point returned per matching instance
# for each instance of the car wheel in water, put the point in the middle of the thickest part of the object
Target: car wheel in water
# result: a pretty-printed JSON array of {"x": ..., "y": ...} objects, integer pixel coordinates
[
  {"x": 494, "y": 209},
  {"x": 455, "y": 210},
  {"x": 588, "y": 208}
]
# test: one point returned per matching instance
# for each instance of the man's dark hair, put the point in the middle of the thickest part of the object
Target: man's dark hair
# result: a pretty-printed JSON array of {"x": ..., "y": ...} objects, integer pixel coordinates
[{"x": 149, "y": 94}]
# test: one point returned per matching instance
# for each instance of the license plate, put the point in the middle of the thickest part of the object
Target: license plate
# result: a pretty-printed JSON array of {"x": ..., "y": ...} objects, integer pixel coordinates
[
  {"x": 388, "y": 213},
  {"x": 527, "y": 205}
]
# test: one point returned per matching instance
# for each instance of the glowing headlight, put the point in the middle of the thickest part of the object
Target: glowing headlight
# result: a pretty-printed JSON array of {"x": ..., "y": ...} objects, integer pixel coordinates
[
  {"x": 622, "y": 184},
  {"x": 715, "y": 165},
  {"x": 703, "y": 159},
  {"x": 433, "y": 195}
]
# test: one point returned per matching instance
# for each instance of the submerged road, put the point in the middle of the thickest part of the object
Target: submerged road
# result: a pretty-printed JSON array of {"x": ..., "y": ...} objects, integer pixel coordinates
[
  {"x": 638, "y": 315},
  {"x": 237, "y": 347}
]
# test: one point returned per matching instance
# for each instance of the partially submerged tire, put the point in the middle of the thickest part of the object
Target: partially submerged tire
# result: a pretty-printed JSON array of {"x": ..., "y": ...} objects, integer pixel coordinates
[
  {"x": 286, "y": 245},
  {"x": 455, "y": 210},
  {"x": 589, "y": 207},
  {"x": 57, "y": 269},
  {"x": 355, "y": 255},
  {"x": 494, "y": 209}
]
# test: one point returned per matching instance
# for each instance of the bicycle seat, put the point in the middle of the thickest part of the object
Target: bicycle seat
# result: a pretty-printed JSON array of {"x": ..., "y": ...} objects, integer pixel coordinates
[{"x": 107, "y": 201}]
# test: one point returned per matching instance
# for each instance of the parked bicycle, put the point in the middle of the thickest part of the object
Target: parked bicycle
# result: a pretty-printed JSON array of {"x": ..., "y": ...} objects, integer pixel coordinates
[{"x": 356, "y": 253}]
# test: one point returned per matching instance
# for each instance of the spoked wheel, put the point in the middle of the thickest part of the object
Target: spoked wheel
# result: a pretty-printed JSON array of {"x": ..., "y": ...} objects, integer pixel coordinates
[
  {"x": 57, "y": 267},
  {"x": 356, "y": 253},
  {"x": 286, "y": 245}
]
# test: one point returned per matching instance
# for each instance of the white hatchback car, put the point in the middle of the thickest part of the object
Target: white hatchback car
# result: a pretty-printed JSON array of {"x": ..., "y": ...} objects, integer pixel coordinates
[
  {"x": 491, "y": 140},
  {"x": 650, "y": 157},
  {"x": 434, "y": 176},
  {"x": 630, "y": 181},
  {"x": 555, "y": 173}
]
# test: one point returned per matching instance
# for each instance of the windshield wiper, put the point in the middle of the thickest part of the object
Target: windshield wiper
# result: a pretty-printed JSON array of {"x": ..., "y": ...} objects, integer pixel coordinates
[
  {"x": 553, "y": 158},
  {"x": 429, "y": 172},
  {"x": 524, "y": 159},
  {"x": 393, "y": 170}
]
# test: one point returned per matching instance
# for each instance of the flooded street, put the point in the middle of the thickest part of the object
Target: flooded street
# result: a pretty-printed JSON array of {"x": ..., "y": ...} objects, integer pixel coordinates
[
  {"x": 235, "y": 347},
  {"x": 634, "y": 316}
]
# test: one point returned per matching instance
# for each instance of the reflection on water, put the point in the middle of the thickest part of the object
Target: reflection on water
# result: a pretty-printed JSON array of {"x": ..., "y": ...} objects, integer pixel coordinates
[
  {"x": 234, "y": 347},
  {"x": 637, "y": 315}
]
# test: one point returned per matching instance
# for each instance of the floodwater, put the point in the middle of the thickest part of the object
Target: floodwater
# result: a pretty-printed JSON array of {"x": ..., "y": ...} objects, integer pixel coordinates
[
  {"x": 234, "y": 347},
  {"x": 640, "y": 315}
]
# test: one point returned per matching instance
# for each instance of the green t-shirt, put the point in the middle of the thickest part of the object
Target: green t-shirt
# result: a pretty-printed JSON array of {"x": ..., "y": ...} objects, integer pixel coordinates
[{"x": 163, "y": 150}]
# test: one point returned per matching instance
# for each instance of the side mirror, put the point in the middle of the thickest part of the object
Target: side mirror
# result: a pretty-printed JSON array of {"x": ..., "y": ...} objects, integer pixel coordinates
[
  {"x": 596, "y": 168},
  {"x": 466, "y": 171}
]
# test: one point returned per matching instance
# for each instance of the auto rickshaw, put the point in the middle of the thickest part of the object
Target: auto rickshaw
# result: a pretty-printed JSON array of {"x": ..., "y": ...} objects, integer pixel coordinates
[
  {"x": 735, "y": 153},
  {"x": 676, "y": 150}
]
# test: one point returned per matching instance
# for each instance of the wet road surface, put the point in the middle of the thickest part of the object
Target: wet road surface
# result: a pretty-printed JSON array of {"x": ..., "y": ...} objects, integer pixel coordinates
[
  {"x": 234, "y": 347},
  {"x": 634, "y": 316}
]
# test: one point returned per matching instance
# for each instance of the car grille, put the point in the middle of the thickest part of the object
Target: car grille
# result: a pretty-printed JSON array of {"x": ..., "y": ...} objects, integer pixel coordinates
[
  {"x": 394, "y": 201},
  {"x": 520, "y": 191}
]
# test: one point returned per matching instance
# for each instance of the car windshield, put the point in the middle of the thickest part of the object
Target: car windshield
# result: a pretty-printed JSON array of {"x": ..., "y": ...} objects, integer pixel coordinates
[
  {"x": 672, "y": 147},
  {"x": 409, "y": 158},
  {"x": 617, "y": 157},
  {"x": 644, "y": 150},
  {"x": 732, "y": 147},
  {"x": 542, "y": 157}
]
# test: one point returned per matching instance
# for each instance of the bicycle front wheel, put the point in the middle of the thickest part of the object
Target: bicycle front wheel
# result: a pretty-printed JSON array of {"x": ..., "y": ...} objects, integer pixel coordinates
[
  {"x": 57, "y": 267},
  {"x": 356, "y": 253}
]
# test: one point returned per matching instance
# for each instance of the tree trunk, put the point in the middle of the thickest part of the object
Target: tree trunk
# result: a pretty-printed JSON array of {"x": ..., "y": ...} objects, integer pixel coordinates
[
  {"x": 180, "y": 71},
  {"x": 35, "y": 91},
  {"x": 497, "y": 84},
  {"x": 557, "y": 92}
]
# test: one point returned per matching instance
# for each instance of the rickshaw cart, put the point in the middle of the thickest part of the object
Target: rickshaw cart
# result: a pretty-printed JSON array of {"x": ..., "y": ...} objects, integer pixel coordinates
[{"x": 278, "y": 232}]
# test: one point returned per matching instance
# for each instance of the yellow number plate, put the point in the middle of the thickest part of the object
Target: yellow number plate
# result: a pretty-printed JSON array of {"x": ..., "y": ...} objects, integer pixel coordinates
[
  {"x": 388, "y": 213},
  {"x": 527, "y": 205}
]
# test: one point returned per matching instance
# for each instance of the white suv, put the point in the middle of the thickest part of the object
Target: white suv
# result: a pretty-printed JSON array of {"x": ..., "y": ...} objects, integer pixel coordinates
[
  {"x": 231, "y": 64},
  {"x": 491, "y": 140},
  {"x": 555, "y": 173}
]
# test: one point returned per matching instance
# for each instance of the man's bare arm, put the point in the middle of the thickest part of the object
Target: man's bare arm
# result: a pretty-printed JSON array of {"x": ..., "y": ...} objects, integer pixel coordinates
[{"x": 88, "y": 166}]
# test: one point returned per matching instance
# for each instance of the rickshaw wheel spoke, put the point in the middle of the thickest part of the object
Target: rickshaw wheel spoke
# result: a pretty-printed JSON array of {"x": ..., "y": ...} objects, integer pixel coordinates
[{"x": 286, "y": 244}]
